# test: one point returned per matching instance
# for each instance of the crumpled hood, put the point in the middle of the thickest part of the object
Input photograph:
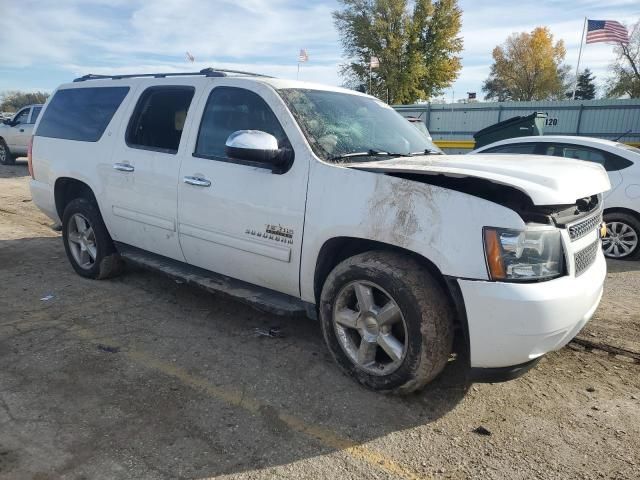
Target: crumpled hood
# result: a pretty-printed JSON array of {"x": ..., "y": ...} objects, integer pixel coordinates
[{"x": 546, "y": 180}]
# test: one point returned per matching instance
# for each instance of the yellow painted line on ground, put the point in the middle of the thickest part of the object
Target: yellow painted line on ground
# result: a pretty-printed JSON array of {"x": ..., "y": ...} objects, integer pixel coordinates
[{"x": 239, "y": 399}]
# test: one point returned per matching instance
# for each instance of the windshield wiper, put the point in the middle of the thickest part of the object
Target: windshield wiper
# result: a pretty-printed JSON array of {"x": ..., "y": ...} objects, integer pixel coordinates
[
  {"x": 369, "y": 153},
  {"x": 426, "y": 151}
]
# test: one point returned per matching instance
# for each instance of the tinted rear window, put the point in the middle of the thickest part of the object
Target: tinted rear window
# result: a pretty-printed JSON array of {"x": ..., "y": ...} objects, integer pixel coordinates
[{"x": 81, "y": 113}]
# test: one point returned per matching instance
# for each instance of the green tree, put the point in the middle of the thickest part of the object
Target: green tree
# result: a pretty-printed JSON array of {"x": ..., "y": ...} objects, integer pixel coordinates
[
  {"x": 586, "y": 87},
  {"x": 14, "y": 100},
  {"x": 528, "y": 66},
  {"x": 416, "y": 42},
  {"x": 626, "y": 68}
]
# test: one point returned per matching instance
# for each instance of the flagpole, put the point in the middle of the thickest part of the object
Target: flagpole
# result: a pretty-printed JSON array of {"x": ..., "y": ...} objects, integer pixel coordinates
[
  {"x": 575, "y": 84},
  {"x": 298, "y": 74}
]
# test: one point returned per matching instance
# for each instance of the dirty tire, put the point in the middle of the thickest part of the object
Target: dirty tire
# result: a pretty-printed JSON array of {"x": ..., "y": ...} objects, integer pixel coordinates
[
  {"x": 107, "y": 263},
  {"x": 6, "y": 157},
  {"x": 427, "y": 314},
  {"x": 633, "y": 223}
]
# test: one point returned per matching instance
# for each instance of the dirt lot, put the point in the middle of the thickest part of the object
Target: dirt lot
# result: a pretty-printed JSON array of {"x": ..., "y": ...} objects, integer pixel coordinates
[{"x": 141, "y": 377}]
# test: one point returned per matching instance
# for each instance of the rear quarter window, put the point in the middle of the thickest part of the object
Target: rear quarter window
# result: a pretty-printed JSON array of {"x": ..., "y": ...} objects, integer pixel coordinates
[{"x": 81, "y": 113}]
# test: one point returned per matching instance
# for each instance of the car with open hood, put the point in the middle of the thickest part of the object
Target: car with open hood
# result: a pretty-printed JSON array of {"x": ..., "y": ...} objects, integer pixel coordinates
[{"x": 301, "y": 198}]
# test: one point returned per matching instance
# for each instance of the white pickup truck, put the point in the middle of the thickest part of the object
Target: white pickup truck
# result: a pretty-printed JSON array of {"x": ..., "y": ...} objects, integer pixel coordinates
[
  {"x": 298, "y": 197},
  {"x": 15, "y": 133}
]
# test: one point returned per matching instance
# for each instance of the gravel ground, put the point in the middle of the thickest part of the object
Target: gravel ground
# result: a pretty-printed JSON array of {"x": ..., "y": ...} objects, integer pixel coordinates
[{"x": 141, "y": 377}]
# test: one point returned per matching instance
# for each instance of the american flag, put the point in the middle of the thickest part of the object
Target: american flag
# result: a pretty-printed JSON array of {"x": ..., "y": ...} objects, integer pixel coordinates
[
  {"x": 303, "y": 56},
  {"x": 606, "y": 31}
]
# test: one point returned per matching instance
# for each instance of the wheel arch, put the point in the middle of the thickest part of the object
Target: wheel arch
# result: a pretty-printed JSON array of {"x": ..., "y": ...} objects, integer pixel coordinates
[
  {"x": 66, "y": 189},
  {"x": 338, "y": 249},
  {"x": 628, "y": 211}
]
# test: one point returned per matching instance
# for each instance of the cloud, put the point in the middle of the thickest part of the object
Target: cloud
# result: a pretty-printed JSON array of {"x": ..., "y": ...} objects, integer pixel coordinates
[{"x": 123, "y": 36}]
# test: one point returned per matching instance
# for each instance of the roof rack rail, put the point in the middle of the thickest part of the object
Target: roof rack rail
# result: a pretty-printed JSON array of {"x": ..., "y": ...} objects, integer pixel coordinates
[{"x": 207, "y": 72}]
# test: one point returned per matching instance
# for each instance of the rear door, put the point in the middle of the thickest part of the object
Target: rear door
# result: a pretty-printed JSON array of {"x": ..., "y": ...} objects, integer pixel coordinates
[
  {"x": 239, "y": 218},
  {"x": 141, "y": 181}
]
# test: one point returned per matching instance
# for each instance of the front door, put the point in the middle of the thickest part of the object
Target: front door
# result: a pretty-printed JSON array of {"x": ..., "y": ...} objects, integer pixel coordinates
[
  {"x": 20, "y": 132},
  {"x": 141, "y": 183},
  {"x": 238, "y": 218}
]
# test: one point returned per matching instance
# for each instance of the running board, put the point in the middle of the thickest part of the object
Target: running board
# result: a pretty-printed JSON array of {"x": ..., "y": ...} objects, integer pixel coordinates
[{"x": 260, "y": 298}]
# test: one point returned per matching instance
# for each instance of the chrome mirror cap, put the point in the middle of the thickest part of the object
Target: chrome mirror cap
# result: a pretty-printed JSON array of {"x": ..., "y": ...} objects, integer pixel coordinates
[{"x": 252, "y": 140}]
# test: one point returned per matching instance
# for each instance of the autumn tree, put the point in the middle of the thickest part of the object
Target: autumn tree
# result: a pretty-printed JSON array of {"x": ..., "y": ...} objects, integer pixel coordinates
[
  {"x": 14, "y": 100},
  {"x": 626, "y": 68},
  {"x": 416, "y": 42},
  {"x": 528, "y": 66}
]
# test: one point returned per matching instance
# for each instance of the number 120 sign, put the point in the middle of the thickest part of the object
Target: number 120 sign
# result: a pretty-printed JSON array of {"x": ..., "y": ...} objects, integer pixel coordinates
[{"x": 551, "y": 122}]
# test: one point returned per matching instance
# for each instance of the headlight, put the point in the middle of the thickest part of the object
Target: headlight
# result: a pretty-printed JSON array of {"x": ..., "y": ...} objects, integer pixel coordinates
[{"x": 529, "y": 255}]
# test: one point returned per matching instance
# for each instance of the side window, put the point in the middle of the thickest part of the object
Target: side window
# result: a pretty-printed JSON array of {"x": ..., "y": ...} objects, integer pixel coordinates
[
  {"x": 35, "y": 112},
  {"x": 228, "y": 110},
  {"x": 81, "y": 114},
  {"x": 616, "y": 162},
  {"x": 522, "y": 148},
  {"x": 158, "y": 119},
  {"x": 581, "y": 153},
  {"x": 22, "y": 117}
]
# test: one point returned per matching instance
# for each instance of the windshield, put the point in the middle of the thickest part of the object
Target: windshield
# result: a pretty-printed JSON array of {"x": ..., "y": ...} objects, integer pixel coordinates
[{"x": 338, "y": 125}]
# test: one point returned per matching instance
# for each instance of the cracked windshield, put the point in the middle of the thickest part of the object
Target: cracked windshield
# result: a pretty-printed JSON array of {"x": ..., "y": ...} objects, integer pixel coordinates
[{"x": 345, "y": 127}]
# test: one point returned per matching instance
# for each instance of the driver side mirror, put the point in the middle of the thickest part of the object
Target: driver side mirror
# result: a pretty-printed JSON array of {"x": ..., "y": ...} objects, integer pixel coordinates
[
  {"x": 260, "y": 147},
  {"x": 8, "y": 121}
]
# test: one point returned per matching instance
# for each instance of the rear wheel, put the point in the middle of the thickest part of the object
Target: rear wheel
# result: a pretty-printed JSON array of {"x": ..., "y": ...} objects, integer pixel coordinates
[
  {"x": 622, "y": 241},
  {"x": 86, "y": 241},
  {"x": 386, "y": 321},
  {"x": 6, "y": 157}
]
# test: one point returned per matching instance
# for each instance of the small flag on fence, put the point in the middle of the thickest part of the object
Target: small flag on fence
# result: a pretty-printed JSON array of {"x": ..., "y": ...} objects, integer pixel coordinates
[
  {"x": 189, "y": 57},
  {"x": 606, "y": 31},
  {"x": 303, "y": 56},
  {"x": 374, "y": 62}
]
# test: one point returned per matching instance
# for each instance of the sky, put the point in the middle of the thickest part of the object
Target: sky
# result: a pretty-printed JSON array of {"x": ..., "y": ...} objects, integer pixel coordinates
[{"x": 44, "y": 43}]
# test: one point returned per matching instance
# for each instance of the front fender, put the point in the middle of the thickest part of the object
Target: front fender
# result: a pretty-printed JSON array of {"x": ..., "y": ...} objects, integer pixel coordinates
[{"x": 442, "y": 225}]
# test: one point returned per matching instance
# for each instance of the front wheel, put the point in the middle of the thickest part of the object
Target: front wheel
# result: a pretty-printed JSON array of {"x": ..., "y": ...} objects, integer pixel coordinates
[
  {"x": 386, "y": 321},
  {"x": 86, "y": 241},
  {"x": 622, "y": 240}
]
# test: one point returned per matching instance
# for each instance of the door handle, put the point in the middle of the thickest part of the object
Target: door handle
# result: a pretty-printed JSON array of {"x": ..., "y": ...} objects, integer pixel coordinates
[
  {"x": 197, "y": 181},
  {"x": 123, "y": 167}
]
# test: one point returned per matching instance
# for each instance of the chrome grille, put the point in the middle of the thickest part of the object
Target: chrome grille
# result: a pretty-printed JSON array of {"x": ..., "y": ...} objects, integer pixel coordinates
[
  {"x": 585, "y": 257},
  {"x": 584, "y": 227}
]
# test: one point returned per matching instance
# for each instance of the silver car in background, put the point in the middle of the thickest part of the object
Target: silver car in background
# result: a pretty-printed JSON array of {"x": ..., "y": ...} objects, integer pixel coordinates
[{"x": 16, "y": 132}]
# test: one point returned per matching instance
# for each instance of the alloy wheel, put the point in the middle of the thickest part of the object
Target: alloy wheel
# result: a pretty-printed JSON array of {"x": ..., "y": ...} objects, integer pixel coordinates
[
  {"x": 621, "y": 240},
  {"x": 370, "y": 327},
  {"x": 3, "y": 153},
  {"x": 82, "y": 241}
]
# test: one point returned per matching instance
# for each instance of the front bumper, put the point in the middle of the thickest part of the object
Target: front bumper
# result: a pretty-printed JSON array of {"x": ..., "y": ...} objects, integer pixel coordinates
[{"x": 515, "y": 323}]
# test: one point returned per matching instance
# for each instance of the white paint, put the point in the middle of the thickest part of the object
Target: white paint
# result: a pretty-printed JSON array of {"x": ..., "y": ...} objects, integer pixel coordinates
[
  {"x": 546, "y": 180},
  {"x": 621, "y": 194},
  {"x": 222, "y": 227}
]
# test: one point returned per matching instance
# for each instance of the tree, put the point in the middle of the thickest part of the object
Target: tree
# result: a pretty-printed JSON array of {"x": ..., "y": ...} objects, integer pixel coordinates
[
  {"x": 15, "y": 100},
  {"x": 417, "y": 46},
  {"x": 528, "y": 66},
  {"x": 626, "y": 68},
  {"x": 586, "y": 87}
]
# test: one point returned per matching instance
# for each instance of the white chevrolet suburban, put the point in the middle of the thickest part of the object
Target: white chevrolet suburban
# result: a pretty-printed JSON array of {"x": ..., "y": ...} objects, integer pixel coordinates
[{"x": 296, "y": 197}]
